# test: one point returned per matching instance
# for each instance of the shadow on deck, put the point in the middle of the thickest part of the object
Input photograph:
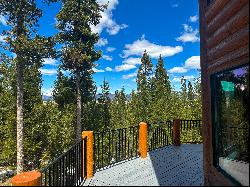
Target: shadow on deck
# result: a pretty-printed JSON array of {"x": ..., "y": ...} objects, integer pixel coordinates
[{"x": 168, "y": 166}]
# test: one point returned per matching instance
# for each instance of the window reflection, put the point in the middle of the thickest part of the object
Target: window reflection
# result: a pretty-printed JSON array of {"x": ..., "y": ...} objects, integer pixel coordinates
[{"x": 231, "y": 121}]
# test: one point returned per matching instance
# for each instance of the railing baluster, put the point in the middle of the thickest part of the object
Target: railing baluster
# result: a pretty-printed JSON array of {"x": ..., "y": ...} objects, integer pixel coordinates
[
  {"x": 76, "y": 165},
  {"x": 98, "y": 150},
  {"x": 115, "y": 145},
  {"x": 133, "y": 142},
  {"x": 59, "y": 173},
  {"x": 122, "y": 142},
  {"x": 112, "y": 134},
  {"x": 72, "y": 164},
  {"x": 161, "y": 130},
  {"x": 85, "y": 158},
  {"x": 69, "y": 168},
  {"x": 102, "y": 150},
  {"x": 45, "y": 179},
  {"x": 160, "y": 136},
  {"x": 129, "y": 141},
  {"x": 50, "y": 178},
  {"x": 74, "y": 158},
  {"x": 109, "y": 156},
  {"x": 125, "y": 149},
  {"x": 136, "y": 140},
  {"x": 157, "y": 136},
  {"x": 53, "y": 176},
  {"x": 164, "y": 137}
]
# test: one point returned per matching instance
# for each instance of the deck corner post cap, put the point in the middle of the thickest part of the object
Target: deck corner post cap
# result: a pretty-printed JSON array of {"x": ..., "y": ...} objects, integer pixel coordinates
[
  {"x": 86, "y": 133},
  {"x": 30, "y": 178},
  {"x": 143, "y": 123}
]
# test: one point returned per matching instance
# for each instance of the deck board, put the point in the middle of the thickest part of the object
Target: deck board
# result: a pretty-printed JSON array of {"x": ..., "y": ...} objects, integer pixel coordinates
[{"x": 168, "y": 166}]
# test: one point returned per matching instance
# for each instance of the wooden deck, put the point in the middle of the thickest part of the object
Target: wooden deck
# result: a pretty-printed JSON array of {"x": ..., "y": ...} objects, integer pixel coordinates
[{"x": 168, "y": 166}]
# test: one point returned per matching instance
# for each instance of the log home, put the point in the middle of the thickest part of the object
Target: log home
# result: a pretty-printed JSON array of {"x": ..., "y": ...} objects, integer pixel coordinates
[{"x": 224, "y": 32}]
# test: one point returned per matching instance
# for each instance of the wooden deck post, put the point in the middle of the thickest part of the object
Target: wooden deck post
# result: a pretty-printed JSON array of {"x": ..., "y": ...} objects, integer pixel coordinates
[
  {"x": 31, "y": 178},
  {"x": 90, "y": 153},
  {"x": 143, "y": 133},
  {"x": 176, "y": 132}
]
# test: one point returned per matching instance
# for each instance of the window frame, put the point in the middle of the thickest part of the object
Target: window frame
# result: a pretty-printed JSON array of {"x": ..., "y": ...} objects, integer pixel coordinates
[{"x": 216, "y": 123}]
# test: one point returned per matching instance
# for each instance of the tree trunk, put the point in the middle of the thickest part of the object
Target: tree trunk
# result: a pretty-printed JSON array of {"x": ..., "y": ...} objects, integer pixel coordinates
[
  {"x": 78, "y": 109},
  {"x": 20, "y": 138}
]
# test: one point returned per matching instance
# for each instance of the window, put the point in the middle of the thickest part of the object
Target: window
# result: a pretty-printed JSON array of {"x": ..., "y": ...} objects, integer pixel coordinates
[{"x": 230, "y": 112}]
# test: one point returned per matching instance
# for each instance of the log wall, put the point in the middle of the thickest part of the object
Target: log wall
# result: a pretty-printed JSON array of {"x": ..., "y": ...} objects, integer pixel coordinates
[{"x": 224, "y": 32}]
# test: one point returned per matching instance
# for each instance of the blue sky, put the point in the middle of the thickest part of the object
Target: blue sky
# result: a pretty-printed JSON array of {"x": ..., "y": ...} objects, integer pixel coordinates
[{"x": 128, "y": 27}]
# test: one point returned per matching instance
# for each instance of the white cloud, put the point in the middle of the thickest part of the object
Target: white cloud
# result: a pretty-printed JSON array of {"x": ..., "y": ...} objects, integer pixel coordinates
[
  {"x": 178, "y": 70},
  {"x": 187, "y": 28},
  {"x": 193, "y": 18},
  {"x": 50, "y": 61},
  {"x": 3, "y": 20},
  {"x": 193, "y": 62},
  {"x": 98, "y": 70},
  {"x": 13, "y": 55},
  {"x": 125, "y": 67},
  {"x": 110, "y": 49},
  {"x": 189, "y": 34},
  {"x": 132, "y": 61},
  {"x": 2, "y": 38},
  {"x": 178, "y": 79},
  {"x": 107, "y": 22},
  {"x": 48, "y": 71},
  {"x": 106, "y": 57},
  {"x": 116, "y": 28},
  {"x": 128, "y": 64},
  {"x": 128, "y": 76},
  {"x": 108, "y": 69},
  {"x": 154, "y": 50},
  {"x": 102, "y": 42}
]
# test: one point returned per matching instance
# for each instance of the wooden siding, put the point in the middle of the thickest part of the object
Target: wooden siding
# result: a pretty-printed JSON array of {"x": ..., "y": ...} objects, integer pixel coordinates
[
  {"x": 224, "y": 32},
  {"x": 227, "y": 32}
]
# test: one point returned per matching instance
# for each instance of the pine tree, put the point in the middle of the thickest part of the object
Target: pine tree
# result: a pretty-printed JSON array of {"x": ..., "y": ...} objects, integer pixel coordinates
[
  {"x": 191, "y": 98},
  {"x": 118, "y": 109},
  {"x": 143, "y": 86},
  {"x": 162, "y": 93},
  {"x": 104, "y": 105},
  {"x": 22, "y": 39},
  {"x": 64, "y": 91},
  {"x": 183, "y": 98},
  {"x": 78, "y": 53},
  {"x": 7, "y": 111},
  {"x": 133, "y": 111},
  {"x": 197, "y": 97}
]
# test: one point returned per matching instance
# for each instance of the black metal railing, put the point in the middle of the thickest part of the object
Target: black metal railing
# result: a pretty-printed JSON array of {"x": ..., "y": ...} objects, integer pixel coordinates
[
  {"x": 159, "y": 135},
  {"x": 190, "y": 131},
  {"x": 70, "y": 169},
  {"x": 113, "y": 146}
]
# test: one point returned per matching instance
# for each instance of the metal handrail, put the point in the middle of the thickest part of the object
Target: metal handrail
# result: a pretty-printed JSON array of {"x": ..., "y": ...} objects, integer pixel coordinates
[{"x": 68, "y": 169}]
